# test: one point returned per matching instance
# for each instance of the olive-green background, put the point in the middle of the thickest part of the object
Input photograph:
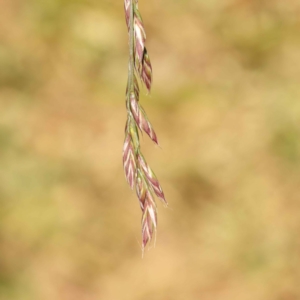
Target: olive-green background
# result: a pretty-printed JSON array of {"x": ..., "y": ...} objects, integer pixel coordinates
[{"x": 225, "y": 105}]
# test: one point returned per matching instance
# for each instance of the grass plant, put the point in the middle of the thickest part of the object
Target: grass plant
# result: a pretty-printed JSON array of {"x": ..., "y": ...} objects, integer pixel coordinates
[{"x": 137, "y": 171}]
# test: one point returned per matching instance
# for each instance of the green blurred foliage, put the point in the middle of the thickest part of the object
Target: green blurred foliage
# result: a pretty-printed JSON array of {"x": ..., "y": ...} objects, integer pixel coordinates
[{"x": 225, "y": 105}]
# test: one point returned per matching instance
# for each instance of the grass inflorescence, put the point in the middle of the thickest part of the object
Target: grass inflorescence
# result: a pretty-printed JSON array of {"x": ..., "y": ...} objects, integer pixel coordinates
[{"x": 137, "y": 171}]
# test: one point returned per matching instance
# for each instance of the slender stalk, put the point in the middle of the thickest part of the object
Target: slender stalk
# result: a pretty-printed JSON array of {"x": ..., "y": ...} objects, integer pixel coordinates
[{"x": 131, "y": 48}]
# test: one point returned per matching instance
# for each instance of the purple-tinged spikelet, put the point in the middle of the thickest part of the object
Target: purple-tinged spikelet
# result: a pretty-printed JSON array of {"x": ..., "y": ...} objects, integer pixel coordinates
[
  {"x": 127, "y": 4},
  {"x": 141, "y": 119},
  {"x": 148, "y": 206},
  {"x": 151, "y": 178},
  {"x": 146, "y": 71},
  {"x": 140, "y": 39},
  {"x": 129, "y": 162}
]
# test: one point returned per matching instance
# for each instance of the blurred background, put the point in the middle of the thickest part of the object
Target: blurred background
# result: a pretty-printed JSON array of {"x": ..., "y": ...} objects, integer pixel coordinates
[{"x": 225, "y": 105}]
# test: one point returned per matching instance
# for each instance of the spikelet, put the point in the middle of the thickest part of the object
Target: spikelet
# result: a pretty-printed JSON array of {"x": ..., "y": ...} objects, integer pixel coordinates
[
  {"x": 146, "y": 71},
  {"x": 137, "y": 171},
  {"x": 151, "y": 178},
  {"x": 141, "y": 119},
  {"x": 148, "y": 206},
  {"x": 129, "y": 160}
]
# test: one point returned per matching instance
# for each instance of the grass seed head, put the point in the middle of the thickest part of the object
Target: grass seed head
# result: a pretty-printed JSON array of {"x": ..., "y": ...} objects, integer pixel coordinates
[{"x": 138, "y": 173}]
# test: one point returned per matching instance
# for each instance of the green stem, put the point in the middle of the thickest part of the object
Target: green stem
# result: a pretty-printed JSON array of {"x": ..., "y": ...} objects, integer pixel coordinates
[
  {"x": 131, "y": 74},
  {"x": 130, "y": 82},
  {"x": 131, "y": 49}
]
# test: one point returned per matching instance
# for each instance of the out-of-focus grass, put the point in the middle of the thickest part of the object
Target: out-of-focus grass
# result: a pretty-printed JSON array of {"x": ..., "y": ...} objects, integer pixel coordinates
[{"x": 225, "y": 105}]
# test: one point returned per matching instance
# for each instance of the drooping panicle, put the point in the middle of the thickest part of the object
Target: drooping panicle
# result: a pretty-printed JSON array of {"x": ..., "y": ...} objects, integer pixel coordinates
[{"x": 137, "y": 171}]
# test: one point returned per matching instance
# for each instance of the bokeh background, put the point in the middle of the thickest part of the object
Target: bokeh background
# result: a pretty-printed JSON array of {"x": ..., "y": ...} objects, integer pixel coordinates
[{"x": 225, "y": 105}]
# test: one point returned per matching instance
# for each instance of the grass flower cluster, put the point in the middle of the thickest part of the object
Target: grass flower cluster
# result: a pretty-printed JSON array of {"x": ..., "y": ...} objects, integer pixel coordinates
[{"x": 137, "y": 171}]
